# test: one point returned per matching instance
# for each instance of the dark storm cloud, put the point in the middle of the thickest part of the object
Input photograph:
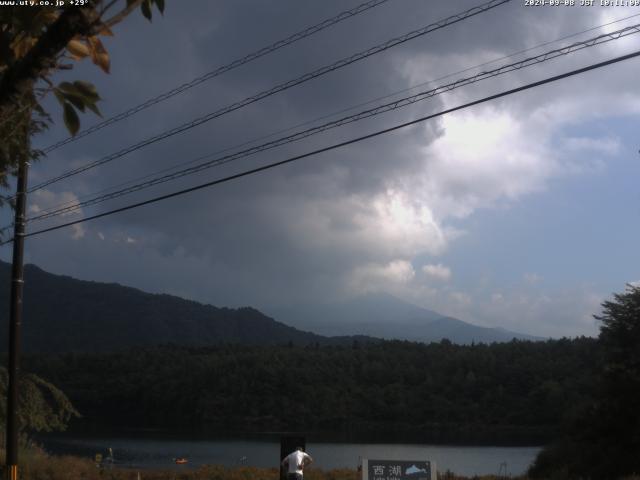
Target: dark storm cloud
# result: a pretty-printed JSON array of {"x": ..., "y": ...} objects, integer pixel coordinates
[{"x": 296, "y": 232}]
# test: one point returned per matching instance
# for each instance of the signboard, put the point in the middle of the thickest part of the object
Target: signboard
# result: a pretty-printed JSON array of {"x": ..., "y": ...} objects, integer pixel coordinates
[{"x": 398, "y": 470}]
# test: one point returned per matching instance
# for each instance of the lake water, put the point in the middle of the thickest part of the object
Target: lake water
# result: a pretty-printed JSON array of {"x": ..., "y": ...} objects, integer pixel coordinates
[{"x": 159, "y": 453}]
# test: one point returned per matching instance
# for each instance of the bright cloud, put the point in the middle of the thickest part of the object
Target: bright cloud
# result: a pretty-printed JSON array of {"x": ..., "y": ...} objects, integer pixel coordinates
[
  {"x": 386, "y": 224},
  {"x": 376, "y": 277},
  {"x": 43, "y": 199},
  {"x": 556, "y": 313},
  {"x": 483, "y": 157},
  {"x": 438, "y": 272}
]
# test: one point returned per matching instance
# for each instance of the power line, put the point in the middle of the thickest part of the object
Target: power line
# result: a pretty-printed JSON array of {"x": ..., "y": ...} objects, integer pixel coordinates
[
  {"x": 323, "y": 117},
  {"x": 279, "y": 88},
  {"x": 329, "y": 115},
  {"x": 338, "y": 145},
  {"x": 220, "y": 70},
  {"x": 552, "y": 54}
]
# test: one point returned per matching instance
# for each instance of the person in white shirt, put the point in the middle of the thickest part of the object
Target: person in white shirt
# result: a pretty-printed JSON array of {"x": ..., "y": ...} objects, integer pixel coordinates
[{"x": 296, "y": 461}]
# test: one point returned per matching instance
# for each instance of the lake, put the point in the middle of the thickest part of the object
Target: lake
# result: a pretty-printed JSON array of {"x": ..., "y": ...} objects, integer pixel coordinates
[{"x": 159, "y": 453}]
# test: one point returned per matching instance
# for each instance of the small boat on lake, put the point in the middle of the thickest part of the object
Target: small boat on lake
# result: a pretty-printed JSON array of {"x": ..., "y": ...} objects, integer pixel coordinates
[{"x": 181, "y": 460}]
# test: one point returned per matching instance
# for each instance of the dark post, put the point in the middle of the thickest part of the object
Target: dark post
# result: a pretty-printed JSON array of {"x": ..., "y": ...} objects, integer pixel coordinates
[{"x": 17, "y": 283}]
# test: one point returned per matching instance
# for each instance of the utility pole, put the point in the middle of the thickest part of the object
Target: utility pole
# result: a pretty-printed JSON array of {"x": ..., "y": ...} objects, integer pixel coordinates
[{"x": 17, "y": 284}]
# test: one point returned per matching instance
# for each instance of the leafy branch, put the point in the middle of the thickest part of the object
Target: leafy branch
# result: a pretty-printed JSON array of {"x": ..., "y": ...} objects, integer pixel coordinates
[{"x": 34, "y": 43}]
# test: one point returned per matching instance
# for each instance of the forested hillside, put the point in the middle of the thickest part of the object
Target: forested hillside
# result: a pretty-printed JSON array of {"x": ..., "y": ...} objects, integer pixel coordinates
[
  {"x": 512, "y": 392},
  {"x": 62, "y": 314}
]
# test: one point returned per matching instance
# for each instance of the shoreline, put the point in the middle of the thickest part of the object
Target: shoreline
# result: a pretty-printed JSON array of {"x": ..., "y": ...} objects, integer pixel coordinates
[
  {"x": 153, "y": 454},
  {"x": 41, "y": 466}
]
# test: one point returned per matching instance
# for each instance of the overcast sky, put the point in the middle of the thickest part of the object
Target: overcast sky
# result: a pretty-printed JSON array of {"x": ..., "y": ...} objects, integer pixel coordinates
[{"x": 521, "y": 213}]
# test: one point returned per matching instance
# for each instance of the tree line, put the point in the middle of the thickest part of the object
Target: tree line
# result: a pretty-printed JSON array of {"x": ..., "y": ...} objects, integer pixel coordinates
[{"x": 512, "y": 392}]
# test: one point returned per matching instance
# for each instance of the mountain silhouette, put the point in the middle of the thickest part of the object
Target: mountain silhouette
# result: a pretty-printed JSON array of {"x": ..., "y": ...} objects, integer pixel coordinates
[
  {"x": 385, "y": 316},
  {"x": 63, "y": 314}
]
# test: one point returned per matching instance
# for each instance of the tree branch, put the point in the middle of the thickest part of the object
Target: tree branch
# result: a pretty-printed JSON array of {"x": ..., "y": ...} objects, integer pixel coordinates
[
  {"x": 108, "y": 6},
  {"x": 43, "y": 55},
  {"x": 121, "y": 16}
]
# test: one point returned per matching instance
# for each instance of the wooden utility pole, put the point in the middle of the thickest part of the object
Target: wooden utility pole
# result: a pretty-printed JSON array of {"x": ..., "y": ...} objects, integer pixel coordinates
[{"x": 15, "y": 321}]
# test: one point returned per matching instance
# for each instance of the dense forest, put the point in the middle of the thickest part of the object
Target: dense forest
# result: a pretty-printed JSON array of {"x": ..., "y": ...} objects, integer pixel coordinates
[
  {"x": 602, "y": 438},
  {"x": 511, "y": 392},
  {"x": 62, "y": 314}
]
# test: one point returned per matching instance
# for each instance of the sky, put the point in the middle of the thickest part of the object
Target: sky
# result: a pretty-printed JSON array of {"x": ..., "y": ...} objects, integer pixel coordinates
[{"x": 520, "y": 213}]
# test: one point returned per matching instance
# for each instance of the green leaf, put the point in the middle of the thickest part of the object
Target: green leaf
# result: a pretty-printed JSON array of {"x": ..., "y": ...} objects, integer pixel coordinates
[
  {"x": 94, "y": 109},
  {"x": 80, "y": 94},
  {"x": 77, "y": 101},
  {"x": 146, "y": 9},
  {"x": 67, "y": 87},
  {"x": 71, "y": 119},
  {"x": 59, "y": 96},
  {"x": 88, "y": 90}
]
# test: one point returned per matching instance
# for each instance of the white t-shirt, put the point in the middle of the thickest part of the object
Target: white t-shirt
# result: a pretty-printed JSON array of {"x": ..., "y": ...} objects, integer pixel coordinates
[{"x": 296, "y": 460}]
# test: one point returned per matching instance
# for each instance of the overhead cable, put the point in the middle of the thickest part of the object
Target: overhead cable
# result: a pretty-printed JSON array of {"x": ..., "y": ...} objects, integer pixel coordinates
[
  {"x": 278, "y": 88},
  {"x": 329, "y": 115},
  {"x": 337, "y": 145},
  {"x": 220, "y": 70},
  {"x": 600, "y": 39}
]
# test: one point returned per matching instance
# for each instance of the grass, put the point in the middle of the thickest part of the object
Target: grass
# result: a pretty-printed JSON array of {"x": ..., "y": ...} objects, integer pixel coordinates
[
  {"x": 51, "y": 467},
  {"x": 37, "y": 465}
]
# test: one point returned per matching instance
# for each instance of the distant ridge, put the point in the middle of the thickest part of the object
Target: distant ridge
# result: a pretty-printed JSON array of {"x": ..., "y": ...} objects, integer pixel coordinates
[
  {"x": 63, "y": 314},
  {"x": 385, "y": 316}
]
